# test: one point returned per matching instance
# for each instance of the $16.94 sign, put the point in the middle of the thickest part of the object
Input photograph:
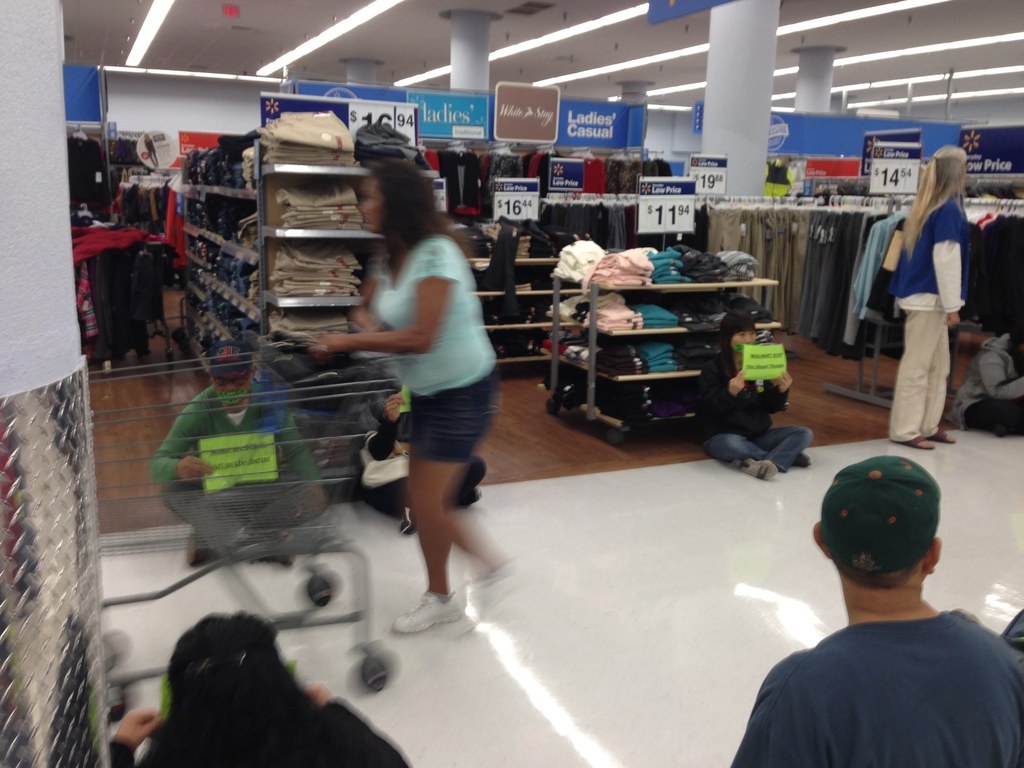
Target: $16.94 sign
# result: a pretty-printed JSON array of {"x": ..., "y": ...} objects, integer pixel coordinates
[
  {"x": 516, "y": 199},
  {"x": 894, "y": 176},
  {"x": 401, "y": 117},
  {"x": 666, "y": 205}
]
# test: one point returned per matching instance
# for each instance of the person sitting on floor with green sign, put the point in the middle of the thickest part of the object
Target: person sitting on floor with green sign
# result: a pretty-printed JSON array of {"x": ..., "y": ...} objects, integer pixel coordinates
[
  {"x": 735, "y": 406},
  {"x": 220, "y": 465}
]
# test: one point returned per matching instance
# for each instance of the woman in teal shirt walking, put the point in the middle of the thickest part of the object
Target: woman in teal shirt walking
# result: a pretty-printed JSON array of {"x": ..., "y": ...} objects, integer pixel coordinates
[{"x": 421, "y": 305}]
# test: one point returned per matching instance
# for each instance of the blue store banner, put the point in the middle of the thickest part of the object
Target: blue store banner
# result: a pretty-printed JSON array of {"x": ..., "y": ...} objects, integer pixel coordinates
[
  {"x": 82, "y": 94},
  {"x": 869, "y": 151},
  {"x": 452, "y": 115},
  {"x": 994, "y": 150},
  {"x": 566, "y": 175},
  {"x": 593, "y": 124},
  {"x": 843, "y": 136},
  {"x": 342, "y": 91},
  {"x": 663, "y": 10},
  {"x": 698, "y": 117},
  {"x": 272, "y": 105}
]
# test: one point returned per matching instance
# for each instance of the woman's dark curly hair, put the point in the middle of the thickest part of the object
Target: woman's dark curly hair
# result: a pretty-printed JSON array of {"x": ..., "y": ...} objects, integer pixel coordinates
[
  {"x": 235, "y": 703},
  {"x": 410, "y": 214}
]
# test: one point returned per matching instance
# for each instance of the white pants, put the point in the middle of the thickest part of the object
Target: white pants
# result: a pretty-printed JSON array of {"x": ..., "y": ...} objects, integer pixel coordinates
[{"x": 920, "y": 396}]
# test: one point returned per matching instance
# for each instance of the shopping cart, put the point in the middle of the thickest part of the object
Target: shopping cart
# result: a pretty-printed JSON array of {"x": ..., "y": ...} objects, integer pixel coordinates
[{"x": 260, "y": 503}]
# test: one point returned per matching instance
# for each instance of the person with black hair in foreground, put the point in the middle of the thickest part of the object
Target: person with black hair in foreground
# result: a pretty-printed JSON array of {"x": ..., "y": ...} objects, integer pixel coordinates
[
  {"x": 235, "y": 704},
  {"x": 735, "y": 414},
  {"x": 903, "y": 686},
  {"x": 992, "y": 396}
]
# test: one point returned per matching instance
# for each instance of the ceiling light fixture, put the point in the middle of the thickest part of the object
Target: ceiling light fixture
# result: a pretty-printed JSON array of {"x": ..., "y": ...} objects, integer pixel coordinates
[
  {"x": 439, "y": 72},
  {"x": 154, "y": 20},
  {"x": 693, "y": 50},
  {"x": 330, "y": 34},
  {"x": 669, "y": 108},
  {"x": 975, "y": 42},
  {"x": 678, "y": 88},
  {"x": 183, "y": 73},
  {"x": 942, "y": 97},
  {"x": 862, "y": 13}
]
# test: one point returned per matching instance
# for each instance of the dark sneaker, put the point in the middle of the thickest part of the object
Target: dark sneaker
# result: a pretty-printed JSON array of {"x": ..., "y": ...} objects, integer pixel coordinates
[
  {"x": 196, "y": 555},
  {"x": 803, "y": 460},
  {"x": 406, "y": 527}
]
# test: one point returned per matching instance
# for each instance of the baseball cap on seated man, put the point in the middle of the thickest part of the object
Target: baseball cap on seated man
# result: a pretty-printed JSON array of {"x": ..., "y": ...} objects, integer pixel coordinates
[
  {"x": 228, "y": 358},
  {"x": 880, "y": 515}
]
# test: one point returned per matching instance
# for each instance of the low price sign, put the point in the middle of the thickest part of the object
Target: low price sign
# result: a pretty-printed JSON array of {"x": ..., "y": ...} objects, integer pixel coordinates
[
  {"x": 516, "y": 199},
  {"x": 401, "y": 117},
  {"x": 666, "y": 205},
  {"x": 894, "y": 168},
  {"x": 711, "y": 172},
  {"x": 441, "y": 195}
]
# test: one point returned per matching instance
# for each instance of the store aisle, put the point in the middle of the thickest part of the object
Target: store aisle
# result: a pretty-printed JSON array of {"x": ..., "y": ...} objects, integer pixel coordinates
[{"x": 646, "y": 608}]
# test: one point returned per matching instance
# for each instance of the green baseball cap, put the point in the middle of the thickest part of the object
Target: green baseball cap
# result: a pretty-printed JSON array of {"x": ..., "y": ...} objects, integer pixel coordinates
[{"x": 880, "y": 515}]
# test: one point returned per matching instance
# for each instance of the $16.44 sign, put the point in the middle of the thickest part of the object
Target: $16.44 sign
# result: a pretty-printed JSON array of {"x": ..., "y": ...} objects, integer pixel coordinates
[
  {"x": 894, "y": 176},
  {"x": 516, "y": 199},
  {"x": 666, "y": 205}
]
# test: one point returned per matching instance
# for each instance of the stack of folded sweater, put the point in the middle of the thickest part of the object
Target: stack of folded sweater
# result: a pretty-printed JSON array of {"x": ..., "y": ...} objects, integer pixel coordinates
[
  {"x": 248, "y": 230},
  {"x": 674, "y": 400},
  {"x": 314, "y": 322},
  {"x": 694, "y": 351},
  {"x": 577, "y": 259},
  {"x": 621, "y": 360},
  {"x": 320, "y": 204},
  {"x": 575, "y": 308},
  {"x": 614, "y": 315},
  {"x": 659, "y": 356},
  {"x": 700, "y": 267},
  {"x": 739, "y": 265},
  {"x": 314, "y": 268},
  {"x": 632, "y": 267},
  {"x": 666, "y": 267},
  {"x": 630, "y": 402},
  {"x": 655, "y": 316},
  {"x": 698, "y": 311},
  {"x": 310, "y": 138}
]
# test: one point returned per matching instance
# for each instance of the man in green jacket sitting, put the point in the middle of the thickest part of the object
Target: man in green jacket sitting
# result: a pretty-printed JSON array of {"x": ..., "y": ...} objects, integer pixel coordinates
[{"x": 219, "y": 464}]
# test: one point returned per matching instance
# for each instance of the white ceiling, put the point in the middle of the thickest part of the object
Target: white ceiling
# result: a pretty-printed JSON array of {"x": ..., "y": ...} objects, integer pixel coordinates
[{"x": 413, "y": 38}]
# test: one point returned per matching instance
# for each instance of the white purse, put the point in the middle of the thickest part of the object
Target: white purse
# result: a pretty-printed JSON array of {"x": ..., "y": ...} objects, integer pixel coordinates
[{"x": 378, "y": 473}]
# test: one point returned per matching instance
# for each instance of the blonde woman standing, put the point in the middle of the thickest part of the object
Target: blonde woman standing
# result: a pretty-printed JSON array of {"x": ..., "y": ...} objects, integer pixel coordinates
[{"x": 930, "y": 286}]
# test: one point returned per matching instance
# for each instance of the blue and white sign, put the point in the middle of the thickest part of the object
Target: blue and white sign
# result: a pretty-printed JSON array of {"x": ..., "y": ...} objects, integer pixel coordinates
[
  {"x": 902, "y": 136},
  {"x": 343, "y": 91},
  {"x": 517, "y": 199},
  {"x": 895, "y": 167},
  {"x": 778, "y": 132},
  {"x": 666, "y": 205},
  {"x": 82, "y": 94},
  {"x": 566, "y": 175},
  {"x": 664, "y": 10},
  {"x": 844, "y": 135},
  {"x": 994, "y": 150},
  {"x": 441, "y": 194},
  {"x": 698, "y": 117},
  {"x": 711, "y": 173},
  {"x": 355, "y": 114},
  {"x": 451, "y": 115},
  {"x": 593, "y": 124}
]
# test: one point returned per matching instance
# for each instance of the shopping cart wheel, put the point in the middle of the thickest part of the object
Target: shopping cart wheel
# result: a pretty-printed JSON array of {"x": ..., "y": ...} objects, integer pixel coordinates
[
  {"x": 374, "y": 673},
  {"x": 553, "y": 406},
  {"x": 615, "y": 436},
  {"x": 320, "y": 588}
]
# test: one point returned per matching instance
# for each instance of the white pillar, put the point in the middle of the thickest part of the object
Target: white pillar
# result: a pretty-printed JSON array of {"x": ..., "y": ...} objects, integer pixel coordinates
[
  {"x": 362, "y": 71},
  {"x": 738, "y": 98},
  {"x": 634, "y": 91},
  {"x": 37, "y": 290},
  {"x": 814, "y": 80},
  {"x": 471, "y": 46}
]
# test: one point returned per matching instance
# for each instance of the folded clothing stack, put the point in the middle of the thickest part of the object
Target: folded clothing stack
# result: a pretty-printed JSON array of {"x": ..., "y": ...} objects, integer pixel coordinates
[
  {"x": 621, "y": 360},
  {"x": 659, "y": 356},
  {"x": 700, "y": 267},
  {"x": 666, "y": 268},
  {"x": 313, "y": 322},
  {"x": 739, "y": 265},
  {"x": 577, "y": 259},
  {"x": 320, "y": 204},
  {"x": 630, "y": 402},
  {"x": 314, "y": 268},
  {"x": 632, "y": 267},
  {"x": 694, "y": 351},
  {"x": 656, "y": 316},
  {"x": 309, "y": 138}
]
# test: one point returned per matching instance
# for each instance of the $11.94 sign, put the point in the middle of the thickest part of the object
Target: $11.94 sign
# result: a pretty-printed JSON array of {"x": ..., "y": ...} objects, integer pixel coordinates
[
  {"x": 516, "y": 199},
  {"x": 666, "y": 205},
  {"x": 894, "y": 176}
]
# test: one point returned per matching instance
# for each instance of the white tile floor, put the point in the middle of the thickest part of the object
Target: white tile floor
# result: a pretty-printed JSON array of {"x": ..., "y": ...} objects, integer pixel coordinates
[{"x": 646, "y": 607}]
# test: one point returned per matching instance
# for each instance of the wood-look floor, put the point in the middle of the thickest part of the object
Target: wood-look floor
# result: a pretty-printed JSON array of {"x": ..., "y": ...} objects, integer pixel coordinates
[{"x": 526, "y": 442}]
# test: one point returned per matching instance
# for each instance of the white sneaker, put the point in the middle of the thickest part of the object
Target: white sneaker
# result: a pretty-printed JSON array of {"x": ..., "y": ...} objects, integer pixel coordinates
[
  {"x": 762, "y": 470},
  {"x": 485, "y": 592},
  {"x": 430, "y": 611}
]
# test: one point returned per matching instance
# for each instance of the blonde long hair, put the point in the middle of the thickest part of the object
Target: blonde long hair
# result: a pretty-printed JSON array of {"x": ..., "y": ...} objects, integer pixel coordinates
[{"x": 941, "y": 179}]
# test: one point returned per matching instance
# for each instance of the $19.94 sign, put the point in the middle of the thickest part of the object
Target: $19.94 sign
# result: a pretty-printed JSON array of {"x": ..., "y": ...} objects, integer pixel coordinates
[
  {"x": 401, "y": 117},
  {"x": 666, "y": 205},
  {"x": 516, "y": 199}
]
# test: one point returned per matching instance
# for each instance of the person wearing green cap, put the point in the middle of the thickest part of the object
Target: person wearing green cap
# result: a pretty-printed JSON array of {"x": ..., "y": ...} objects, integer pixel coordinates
[{"x": 903, "y": 685}]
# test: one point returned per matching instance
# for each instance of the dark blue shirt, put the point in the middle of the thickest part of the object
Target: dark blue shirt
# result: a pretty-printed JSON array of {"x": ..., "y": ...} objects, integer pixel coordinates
[
  {"x": 908, "y": 694},
  {"x": 917, "y": 274}
]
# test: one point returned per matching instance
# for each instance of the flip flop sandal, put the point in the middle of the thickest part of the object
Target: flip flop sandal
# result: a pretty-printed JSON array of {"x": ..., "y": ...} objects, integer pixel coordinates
[
  {"x": 918, "y": 442},
  {"x": 942, "y": 437}
]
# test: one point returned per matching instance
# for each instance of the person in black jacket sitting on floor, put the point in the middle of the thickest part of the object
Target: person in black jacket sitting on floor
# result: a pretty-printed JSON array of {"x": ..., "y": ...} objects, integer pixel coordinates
[
  {"x": 385, "y": 460},
  {"x": 735, "y": 413},
  {"x": 234, "y": 703}
]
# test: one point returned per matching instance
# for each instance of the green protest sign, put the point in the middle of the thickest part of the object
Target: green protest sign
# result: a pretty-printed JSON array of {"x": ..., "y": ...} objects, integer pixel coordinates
[
  {"x": 245, "y": 458},
  {"x": 763, "y": 362}
]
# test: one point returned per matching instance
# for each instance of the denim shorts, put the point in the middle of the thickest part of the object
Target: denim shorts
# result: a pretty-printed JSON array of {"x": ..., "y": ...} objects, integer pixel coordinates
[{"x": 448, "y": 425}]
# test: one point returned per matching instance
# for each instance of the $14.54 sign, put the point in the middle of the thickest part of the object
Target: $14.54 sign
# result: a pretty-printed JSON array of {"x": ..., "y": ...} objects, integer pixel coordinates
[
  {"x": 666, "y": 205},
  {"x": 401, "y": 117},
  {"x": 516, "y": 198},
  {"x": 894, "y": 176},
  {"x": 711, "y": 172}
]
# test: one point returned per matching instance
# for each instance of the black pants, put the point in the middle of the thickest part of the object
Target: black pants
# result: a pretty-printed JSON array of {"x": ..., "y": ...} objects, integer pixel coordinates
[
  {"x": 390, "y": 498},
  {"x": 987, "y": 413}
]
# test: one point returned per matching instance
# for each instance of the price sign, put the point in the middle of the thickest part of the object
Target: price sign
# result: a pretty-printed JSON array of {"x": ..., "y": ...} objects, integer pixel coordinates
[
  {"x": 516, "y": 199},
  {"x": 401, "y": 117},
  {"x": 894, "y": 177},
  {"x": 711, "y": 172},
  {"x": 441, "y": 195},
  {"x": 666, "y": 205}
]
